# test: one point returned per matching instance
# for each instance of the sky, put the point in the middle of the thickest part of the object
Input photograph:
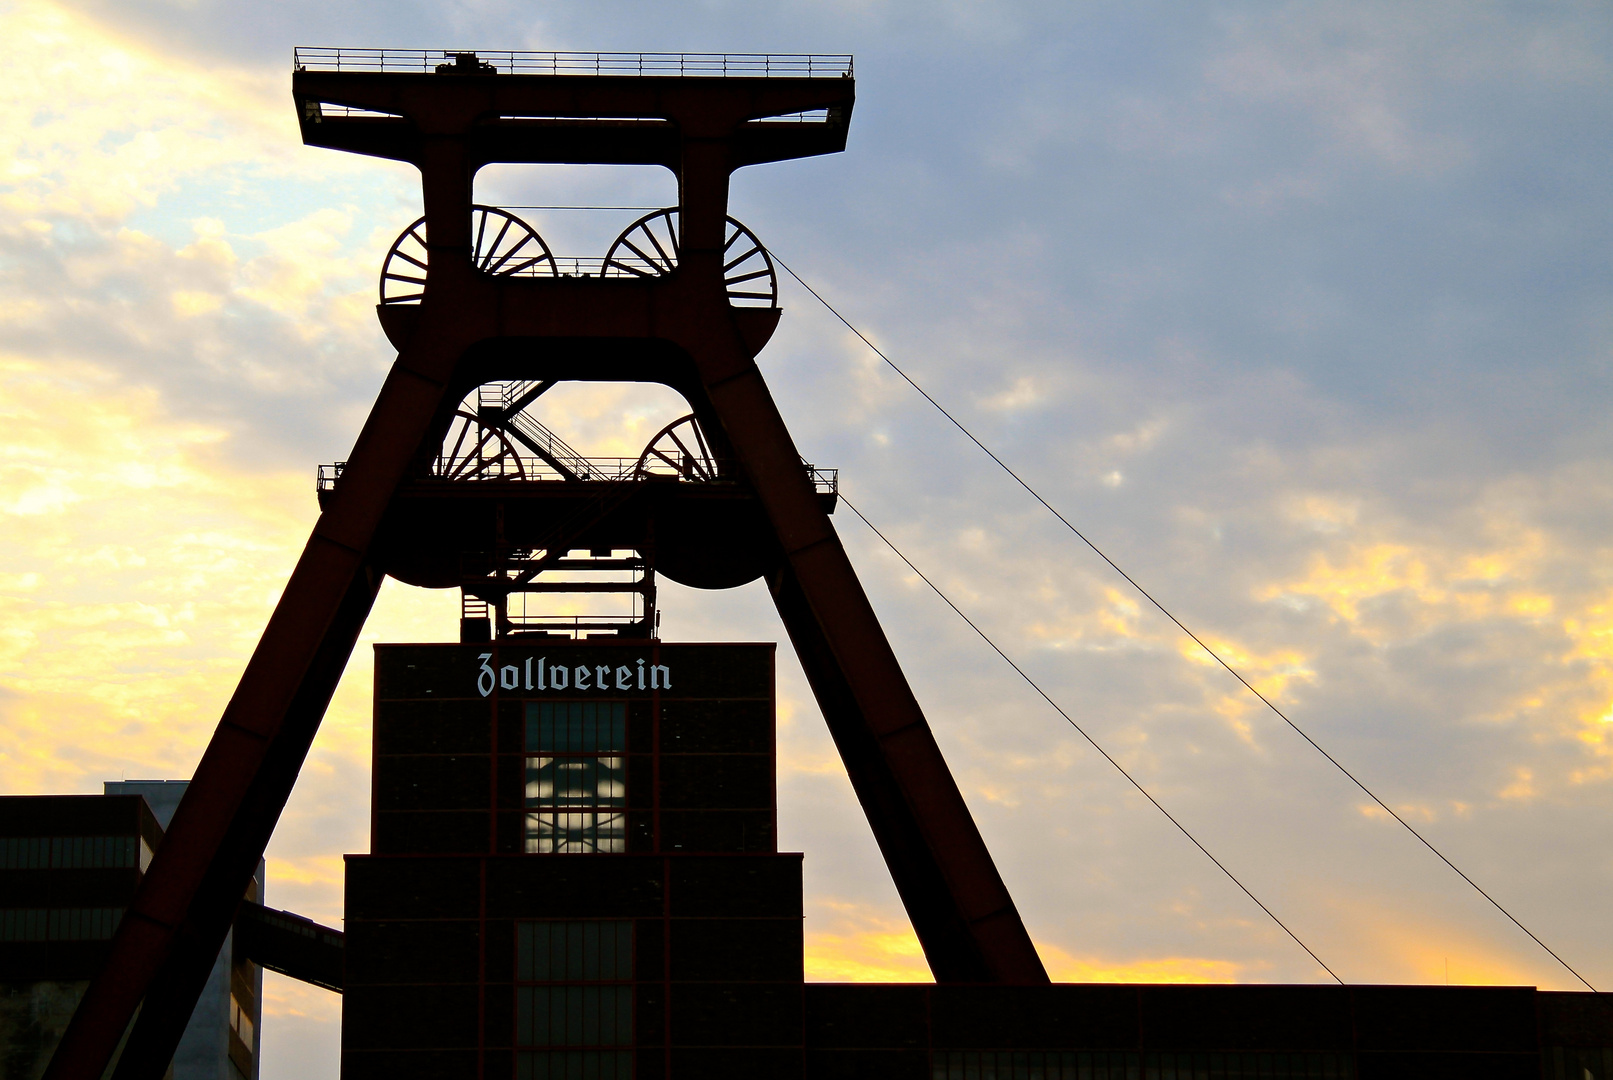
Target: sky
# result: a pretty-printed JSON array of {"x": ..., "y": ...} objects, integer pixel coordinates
[{"x": 1302, "y": 313}]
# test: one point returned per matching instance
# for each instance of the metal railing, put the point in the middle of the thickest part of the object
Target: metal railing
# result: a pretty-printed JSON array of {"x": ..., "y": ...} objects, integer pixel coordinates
[
  {"x": 501, "y": 399},
  {"x": 590, "y": 266},
  {"x": 578, "y": 626},
  {"x": 319, "y": 111},
  {"x": 524, "y": 467},
  {"x": 718, "y": 65},
  {"x": 323, "y": 110},
  {"x": 810, "y": 116}
]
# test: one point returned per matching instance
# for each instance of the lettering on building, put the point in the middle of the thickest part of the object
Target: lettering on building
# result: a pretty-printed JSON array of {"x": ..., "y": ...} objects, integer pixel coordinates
[{"x": 540, "y": 673}]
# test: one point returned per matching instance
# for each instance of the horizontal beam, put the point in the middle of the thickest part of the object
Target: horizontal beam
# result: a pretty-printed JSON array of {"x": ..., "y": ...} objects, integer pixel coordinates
[{"x": 291, "y": 945}]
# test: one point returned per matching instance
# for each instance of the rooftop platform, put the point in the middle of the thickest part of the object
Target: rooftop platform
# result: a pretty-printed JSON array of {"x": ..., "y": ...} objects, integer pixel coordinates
[
  {"x": 682, "y": 65},
  {"x": 573, "y": 108}
]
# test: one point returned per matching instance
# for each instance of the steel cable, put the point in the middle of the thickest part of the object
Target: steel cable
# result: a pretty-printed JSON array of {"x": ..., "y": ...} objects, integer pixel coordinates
[
  {"x": 1219, "y": 865},
  {"x": 1179, "y": 624}
]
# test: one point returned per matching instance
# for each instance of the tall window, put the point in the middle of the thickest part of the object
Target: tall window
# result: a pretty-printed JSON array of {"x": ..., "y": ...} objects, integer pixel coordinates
[
  {"x": 574, "y": 1001},
  {"x": 576, "y": 777}
]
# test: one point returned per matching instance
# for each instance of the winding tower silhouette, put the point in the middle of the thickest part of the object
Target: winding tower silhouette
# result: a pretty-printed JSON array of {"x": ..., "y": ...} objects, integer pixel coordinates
[{"x": 442, "y": 494}]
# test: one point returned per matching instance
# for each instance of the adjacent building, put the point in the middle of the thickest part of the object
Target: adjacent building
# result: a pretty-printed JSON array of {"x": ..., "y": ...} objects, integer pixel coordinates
[{"x": 69, "y": 865}]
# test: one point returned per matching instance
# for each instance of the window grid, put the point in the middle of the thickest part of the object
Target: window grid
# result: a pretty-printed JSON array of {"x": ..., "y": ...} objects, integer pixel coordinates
[
  {"x": 72, "y": 852},
  {"x": 574, "y": 1065},
  {"x": 576, "y": 727},
  {"x": 576, "y": 777},
  {"x": 574, "y": 1000},
  {"x": 575, "y": 833},
  {"x": 1117, "y": 1065},
  {"x": 59, "y": 924},
  {"x": 591, "y": 951}
]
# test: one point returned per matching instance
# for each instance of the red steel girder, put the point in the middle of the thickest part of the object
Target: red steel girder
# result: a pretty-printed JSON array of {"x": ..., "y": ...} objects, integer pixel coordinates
[{"x": 471, "y": 327}]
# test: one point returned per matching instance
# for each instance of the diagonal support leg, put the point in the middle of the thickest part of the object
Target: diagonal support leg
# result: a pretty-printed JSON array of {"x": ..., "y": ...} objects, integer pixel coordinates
[
  {"x": 174, "y": 927},
  {"x": 958, "y": 904},
  {"x": 173, "y": 994}
]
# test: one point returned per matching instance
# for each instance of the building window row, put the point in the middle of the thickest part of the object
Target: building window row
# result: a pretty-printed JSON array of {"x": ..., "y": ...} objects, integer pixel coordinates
[
  {"x": 574, "y": 1065},
  {"x": 74, "y": 853},
  {"x": 577, "y": 727},
  {"x": 574, "y": 1000},
  {"x": 59, "y": 924},
  {"x": 595, "y": 950},
  {"x": 575, "y": 1016},
  {"x": 1121, "y": 1065}
]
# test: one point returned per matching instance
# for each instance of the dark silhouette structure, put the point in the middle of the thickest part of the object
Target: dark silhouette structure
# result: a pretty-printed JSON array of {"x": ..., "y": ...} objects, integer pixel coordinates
[
  {"x": 676, "y": 302},
  {"x": 573, "y": 867}
]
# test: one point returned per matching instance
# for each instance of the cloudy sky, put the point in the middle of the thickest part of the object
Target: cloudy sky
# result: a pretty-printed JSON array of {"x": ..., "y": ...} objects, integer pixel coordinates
[{"x": 1302, "y": 312}]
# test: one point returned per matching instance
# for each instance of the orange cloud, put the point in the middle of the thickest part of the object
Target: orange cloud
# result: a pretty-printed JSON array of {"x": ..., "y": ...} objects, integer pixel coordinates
[
  {"x": 861, "y": 945},
  {"x": 1065, "y": 967}
]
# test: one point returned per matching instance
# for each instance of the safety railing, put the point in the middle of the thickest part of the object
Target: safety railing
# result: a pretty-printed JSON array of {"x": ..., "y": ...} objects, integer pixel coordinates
[
  {"x": 580, "y": 626},
  {"x": 587, "y": 266},
  {"x": 466, "y": 61},
  {"x": 810, "y": 116},
  {"x": 320, "y": 111},
  {"x": 523, "y": 467}
]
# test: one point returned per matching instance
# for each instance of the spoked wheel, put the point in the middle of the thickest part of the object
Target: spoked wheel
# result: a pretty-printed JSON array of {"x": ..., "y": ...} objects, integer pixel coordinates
[
  {"x": 680, "y": 450},
  {"x": 475, "y": 451},
  {"x": 501, "y": 243},
  {"x": 649, "y": 248}
]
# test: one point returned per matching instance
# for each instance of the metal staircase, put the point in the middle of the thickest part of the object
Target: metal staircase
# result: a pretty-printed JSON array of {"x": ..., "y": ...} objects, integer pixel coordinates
[{"x": 501, "y": 405}]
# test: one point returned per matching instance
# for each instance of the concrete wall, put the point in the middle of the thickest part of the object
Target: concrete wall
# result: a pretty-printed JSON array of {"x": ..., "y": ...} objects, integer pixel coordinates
[{"x": 204, "y": 1052}]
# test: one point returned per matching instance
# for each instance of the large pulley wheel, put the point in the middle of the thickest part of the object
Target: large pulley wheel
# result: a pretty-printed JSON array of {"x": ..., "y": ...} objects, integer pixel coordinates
[
  {"x": 679, "y": 450},
  {"x": 649, "y": 248},
  {"x": 501, "y": 244},
  {"x": 473, "y": 450}
]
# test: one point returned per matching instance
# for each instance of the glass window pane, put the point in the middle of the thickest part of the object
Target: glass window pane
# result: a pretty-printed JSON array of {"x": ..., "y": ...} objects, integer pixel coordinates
[
  {"x": 576, "y": 833},
  {"x": 589, "y": 1000},
  {"x": 576, "y": 727},
  {"x": 576, "y": 781}
]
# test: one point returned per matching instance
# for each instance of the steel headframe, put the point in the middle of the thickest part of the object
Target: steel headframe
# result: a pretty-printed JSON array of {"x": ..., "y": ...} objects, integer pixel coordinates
[{"x": 471, "y": 327}]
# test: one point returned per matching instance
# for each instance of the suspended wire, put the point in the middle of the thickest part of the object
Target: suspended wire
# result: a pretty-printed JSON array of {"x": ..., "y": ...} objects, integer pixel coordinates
[
  {"x": 1219, "y": 865},
  {"x": 639, "y": 208},
  {"x": 1179, "y": 624}
]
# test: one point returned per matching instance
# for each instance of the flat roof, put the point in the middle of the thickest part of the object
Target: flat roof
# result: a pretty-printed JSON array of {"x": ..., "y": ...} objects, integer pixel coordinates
[{"x": 505, "y": 62}]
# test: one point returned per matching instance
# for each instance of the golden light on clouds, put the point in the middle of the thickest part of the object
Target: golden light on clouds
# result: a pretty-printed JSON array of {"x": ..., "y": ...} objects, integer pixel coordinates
[
  {"x": 1064, "y": 967},
  {"x": 1441, "y": 583},
  {"x": 93, "y": 124},
  {"x": 137, "y": 570},
  {"x": 855, "y": 944},
  {"x": 1591, "y": 637}
]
